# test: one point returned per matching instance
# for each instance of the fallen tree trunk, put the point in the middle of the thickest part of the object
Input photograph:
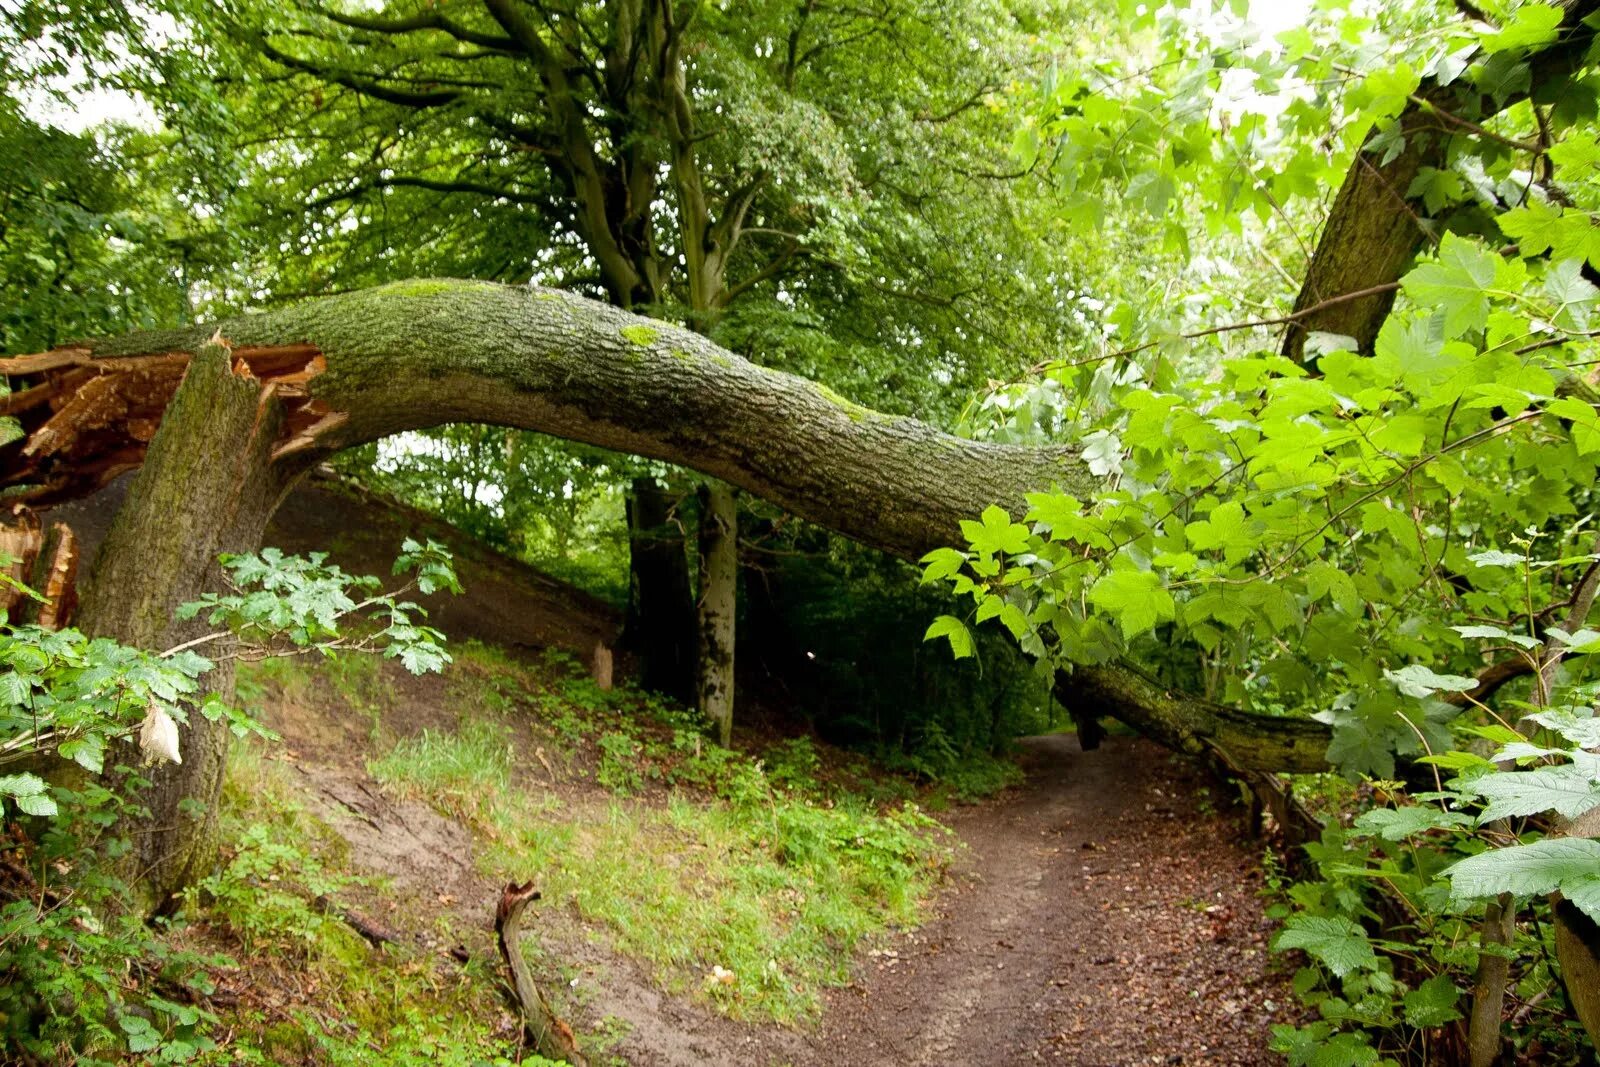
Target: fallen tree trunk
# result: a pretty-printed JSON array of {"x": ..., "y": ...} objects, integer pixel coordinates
[
  {"x": 359, "y": 366},
  {"x": 351, "y": 368},
  {"x": 1247, "y": 741}
]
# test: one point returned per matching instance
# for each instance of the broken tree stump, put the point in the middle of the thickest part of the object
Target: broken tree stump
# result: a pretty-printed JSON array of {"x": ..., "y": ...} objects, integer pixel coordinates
[{"x": 547, "y": 1033}]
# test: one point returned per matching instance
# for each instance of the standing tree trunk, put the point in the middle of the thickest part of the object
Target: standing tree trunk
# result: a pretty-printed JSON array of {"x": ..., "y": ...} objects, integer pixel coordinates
[
  {"x": 719, "y": 582},
  {"x": 207, "y": 486},
  {"x": 659, "y": 627},
  {"x": 1578, "y": 942},
  {"x": 1489, "y": 991}
]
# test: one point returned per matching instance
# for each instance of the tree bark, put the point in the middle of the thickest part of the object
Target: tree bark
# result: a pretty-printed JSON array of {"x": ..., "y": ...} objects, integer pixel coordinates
[
  {"x": 717, "y": 605},
  {"x": 417, "y": 354},
  {"x": 1369, "y": 240},
  {"x": 1578, "y": 943},
  {"x": 547, "y": 1033},
  {"x": 1376, "y": 225},
  {"x": 1489, "y": 991},
  {"x": 207, "y": 487},
  {"x": 660, "y": 621}
]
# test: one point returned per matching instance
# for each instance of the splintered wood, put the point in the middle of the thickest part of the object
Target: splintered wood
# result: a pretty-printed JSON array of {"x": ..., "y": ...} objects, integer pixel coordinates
[
  {"x": 87, "y": 420},
  {"x": 44, "y": 560}
]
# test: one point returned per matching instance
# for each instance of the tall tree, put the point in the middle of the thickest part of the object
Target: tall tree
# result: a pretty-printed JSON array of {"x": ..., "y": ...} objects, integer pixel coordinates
[{"x": 679, "y": 158}]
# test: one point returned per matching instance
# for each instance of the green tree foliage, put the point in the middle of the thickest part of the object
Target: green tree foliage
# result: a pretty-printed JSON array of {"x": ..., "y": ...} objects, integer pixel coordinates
[
  {"x": 84, "y": 248},
  {"x": 82, "y": 977},
  {"x": 1345, "y": 530}
]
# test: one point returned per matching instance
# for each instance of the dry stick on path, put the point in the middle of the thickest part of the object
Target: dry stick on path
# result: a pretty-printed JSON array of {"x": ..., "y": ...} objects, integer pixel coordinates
[{"x": 547, "y": 1033}]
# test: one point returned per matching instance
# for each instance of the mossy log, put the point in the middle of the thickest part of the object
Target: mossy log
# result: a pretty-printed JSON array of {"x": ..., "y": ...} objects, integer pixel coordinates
[{"x": 347, "y": 369}]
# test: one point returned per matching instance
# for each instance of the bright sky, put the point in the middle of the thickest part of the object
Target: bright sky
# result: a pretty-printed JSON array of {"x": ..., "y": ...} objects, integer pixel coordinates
[
  {"x": 84, "y": 108},
  {"x": 1272, "y": 17}
]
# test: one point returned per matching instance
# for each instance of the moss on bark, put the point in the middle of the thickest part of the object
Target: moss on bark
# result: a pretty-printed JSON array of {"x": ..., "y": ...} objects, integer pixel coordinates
[{"x": 206, "y": 487}]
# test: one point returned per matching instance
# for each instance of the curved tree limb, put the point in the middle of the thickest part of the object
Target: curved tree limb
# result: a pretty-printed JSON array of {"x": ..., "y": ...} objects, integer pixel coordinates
[
  {"x": 414, "y": 355},
  {"x": 355, "y": 367},
  {"x": 548, "y": 1034}
]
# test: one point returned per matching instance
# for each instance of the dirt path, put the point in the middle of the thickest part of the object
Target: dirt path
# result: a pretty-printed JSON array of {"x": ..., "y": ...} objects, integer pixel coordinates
[
  {"x": 1102, "y": 914},
  {"x": 1106, "y": 916}
]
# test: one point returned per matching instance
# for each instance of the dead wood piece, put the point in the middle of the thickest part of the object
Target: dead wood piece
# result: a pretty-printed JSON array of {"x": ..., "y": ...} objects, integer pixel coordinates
[
  {"x": 26, "y": 400},
  {"x": 19, "y": 541},
  {"x": 373, "y": 933},
  {"x": 87, "y": 420},
  {"x": 602, "y": 665},
  {"x": 39, "y": 362},
  {"x": 56, "y": 576},
  {"x": 309, "y": 436},
  {"x": 547, "y": 1034}
]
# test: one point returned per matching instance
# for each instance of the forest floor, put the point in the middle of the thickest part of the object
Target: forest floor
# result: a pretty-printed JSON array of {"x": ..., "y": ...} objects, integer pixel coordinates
[{"x": 1106, "y": 911}]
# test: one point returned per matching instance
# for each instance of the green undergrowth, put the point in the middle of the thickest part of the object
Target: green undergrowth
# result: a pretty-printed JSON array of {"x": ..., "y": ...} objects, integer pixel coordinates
[
  {"x": 308, "y": 988},
  {"x": 749, "y": 881},
  {"x": 953, "y": 774}
]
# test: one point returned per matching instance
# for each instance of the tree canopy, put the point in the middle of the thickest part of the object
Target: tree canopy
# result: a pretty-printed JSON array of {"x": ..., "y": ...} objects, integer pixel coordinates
[{"x": 1245, "y": 381}]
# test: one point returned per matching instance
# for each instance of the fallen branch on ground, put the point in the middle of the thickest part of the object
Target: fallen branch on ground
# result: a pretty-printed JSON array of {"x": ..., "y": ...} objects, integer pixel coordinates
[{"x": 547, "y": 1033}]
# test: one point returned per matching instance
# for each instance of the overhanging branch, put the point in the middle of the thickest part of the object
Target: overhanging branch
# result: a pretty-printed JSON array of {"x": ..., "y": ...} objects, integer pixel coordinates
[
  {"x": 357, "y": 83},
  {"x": 363, "y": 365}
]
